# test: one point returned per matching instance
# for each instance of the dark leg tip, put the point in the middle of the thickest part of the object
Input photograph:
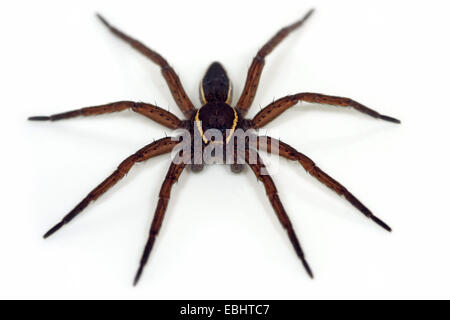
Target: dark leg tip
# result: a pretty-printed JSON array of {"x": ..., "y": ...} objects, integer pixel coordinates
[
  {"x": 381, "y": 223},
  {"x": 308, "y": 269},
  {"x": 47, "y": 234},
  {"x": 103, "y": 20},
  {"x": 39, "y": 118},
  {"x": 53, "y": 230},
  {"x": 309, "y": 13},
  {"x": 390, "y": 119},
  {"x": 306, "y": 16},
  {"x": 137, "y": 277}
]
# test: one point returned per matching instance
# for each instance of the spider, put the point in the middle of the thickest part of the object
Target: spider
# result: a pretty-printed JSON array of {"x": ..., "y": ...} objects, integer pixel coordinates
[{"x": 216, "y": 113}]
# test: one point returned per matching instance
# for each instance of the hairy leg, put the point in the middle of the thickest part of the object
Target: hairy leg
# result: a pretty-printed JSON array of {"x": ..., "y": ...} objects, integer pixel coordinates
[
  {"x": 277, "y": 107},
  {"x": 154, "y": 149},
  {"x": 172, "y": 176},
  {"x": 258, "y": 169},
  {"x": 255, "y": 70},
  {"x": 172, "y": 79},
  {"x": 155, "y": 113},
  {"x": 290, "y": 153}
]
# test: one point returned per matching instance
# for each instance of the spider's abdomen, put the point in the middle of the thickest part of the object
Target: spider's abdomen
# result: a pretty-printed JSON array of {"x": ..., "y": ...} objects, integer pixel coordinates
[{"x": 215, "y": 85}]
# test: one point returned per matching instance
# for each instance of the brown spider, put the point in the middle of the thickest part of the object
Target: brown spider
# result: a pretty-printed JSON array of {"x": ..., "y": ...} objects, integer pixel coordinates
[{"x": 216, "y": 114}]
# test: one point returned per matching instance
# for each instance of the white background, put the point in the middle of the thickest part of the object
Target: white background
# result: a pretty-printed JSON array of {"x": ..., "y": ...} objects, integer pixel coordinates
[{"x": 220, "y": 238}]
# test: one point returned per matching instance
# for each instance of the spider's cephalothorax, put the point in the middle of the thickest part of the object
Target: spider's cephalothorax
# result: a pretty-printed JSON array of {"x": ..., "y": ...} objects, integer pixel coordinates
[
  {"x": 216, "y": 115},
  {"x": 216, "y": 121}
]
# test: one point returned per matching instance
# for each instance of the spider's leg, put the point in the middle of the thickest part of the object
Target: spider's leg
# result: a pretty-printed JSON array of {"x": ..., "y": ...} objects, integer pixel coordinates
[
  {"x": 277, "y": 107},
  {"x": 254, "y": 72},
  {"x": 153, "y": 112},
  {"x": 173, "y": 81},
  {"x": 290, "y": 153},
  {"x": 259, "y": 170},
  {"x": 161, "y": 146},
  {"x": 172, "y": 176}
]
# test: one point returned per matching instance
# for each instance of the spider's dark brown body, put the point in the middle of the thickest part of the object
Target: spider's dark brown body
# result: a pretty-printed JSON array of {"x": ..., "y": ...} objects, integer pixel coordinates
[{"x": 216, "y": 115}]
